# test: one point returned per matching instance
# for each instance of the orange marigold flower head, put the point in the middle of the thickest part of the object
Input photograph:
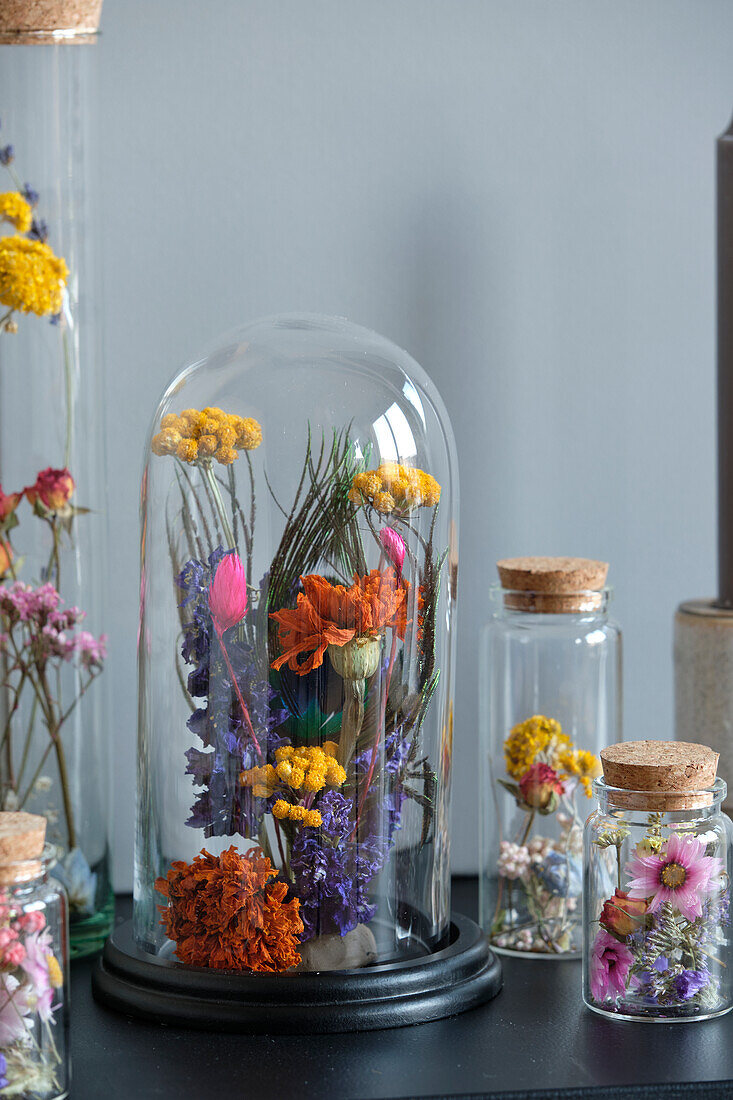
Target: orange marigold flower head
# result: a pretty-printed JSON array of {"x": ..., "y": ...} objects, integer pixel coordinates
[
  {"x": 283, "y": 752},
  {"x": 354, "y": 496},
  {"x": 284, "y": 770},
  {"x": 330, "y": 747},
  {"x": 313, "y": 819},
  {"x": 188, "y": 450},
  {"x": 170, "y": 420},
  {"x": 297, "y": 813},
  {"x": 331, "y": 615},
  {"x": 225, "y": 912},
  {"x": 297, "y": 776},
  {"x": 281, "y": 808},
  {"x": 214, "y": 412},
  {"x": 361, "y": 480}
]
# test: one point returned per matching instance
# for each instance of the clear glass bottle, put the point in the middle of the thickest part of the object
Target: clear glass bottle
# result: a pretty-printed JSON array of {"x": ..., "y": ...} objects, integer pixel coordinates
[
  {"x": 34, "y": 953},
  {"x": 299, "y": 555},
  {"x": 656, "y": 898},
  {"x": 53, "y": 505},
  {"x": 550, "y": 684}
]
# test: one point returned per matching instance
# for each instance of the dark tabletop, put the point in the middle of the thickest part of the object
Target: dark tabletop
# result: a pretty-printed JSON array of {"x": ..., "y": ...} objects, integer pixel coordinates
[{"x": 535, "y": 1039}]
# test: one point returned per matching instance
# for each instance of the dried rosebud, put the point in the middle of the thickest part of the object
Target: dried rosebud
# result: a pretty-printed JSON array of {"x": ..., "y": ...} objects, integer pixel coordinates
[
  {"x": 8, "y": 503},
  {"x": 540, "y": 786},
  {"x": 53, "y": 490},
  {"x": 623, "y": 915}
]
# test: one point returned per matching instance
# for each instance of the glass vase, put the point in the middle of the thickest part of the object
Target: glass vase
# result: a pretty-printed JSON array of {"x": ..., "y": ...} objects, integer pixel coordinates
[
  {"x": 550, "y": 681},
  {"x": 53, "y": 535},
  {"x": 656, "y": 900}
]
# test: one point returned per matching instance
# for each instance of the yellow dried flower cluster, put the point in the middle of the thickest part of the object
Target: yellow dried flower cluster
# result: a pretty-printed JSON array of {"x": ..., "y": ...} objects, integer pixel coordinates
[
  {"x": 529, "y": 739},
  {"x": 309, "y": 769},
  {"x": 305, "y": 770},
  {"x": 263, "y": 780},
  {"x": 580, "y": 763},
  {"x": 200, "y": 436},
  {"x": 395, "y": 488},
  {"x": 16, "y": 210},
  {"x": 283, "y": 810},
  {"x": 32, "y": 277}
]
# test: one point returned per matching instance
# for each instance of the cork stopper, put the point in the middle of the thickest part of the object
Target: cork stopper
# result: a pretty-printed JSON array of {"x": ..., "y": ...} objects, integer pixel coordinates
[
  {"x": 38, "y": 22},
  {"x": 660, "y": 775},
  {"x": 22, "y": 837},
  {"x": 553, "y": 584}
]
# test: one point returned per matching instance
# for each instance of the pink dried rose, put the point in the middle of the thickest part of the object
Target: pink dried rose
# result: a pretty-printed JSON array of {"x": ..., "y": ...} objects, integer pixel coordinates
[
  {"x": 540, "y": 786},
  {"x": 228, "y": 594},
  {"x": 53, "y": 488}
]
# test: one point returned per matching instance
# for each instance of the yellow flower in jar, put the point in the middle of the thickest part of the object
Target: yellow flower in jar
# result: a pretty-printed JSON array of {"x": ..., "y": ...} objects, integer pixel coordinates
[
  {"x": 16, "y": 210},
  {"x": 32, "y": 277},
  {"x": 200, "y": 437},
  {"x": 394, "y": 487}
]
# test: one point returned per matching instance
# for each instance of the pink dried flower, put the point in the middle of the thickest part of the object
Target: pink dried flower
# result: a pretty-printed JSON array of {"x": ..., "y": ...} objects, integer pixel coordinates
[
  {"x": 394, "y": 547},
  {"x": 33, "y": 921},
  {"x": 610, "y": 963},
  {"x": 39, "y": 947},
  {"x": 8, "y": 936},
  {"x": 228, "y": 593},
  {"x": 14, "y": 955},
  {"x": 680, "y": 875}
]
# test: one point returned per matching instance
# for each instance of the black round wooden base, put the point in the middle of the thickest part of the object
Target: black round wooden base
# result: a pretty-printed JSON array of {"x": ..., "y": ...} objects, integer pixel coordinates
[{"x": 460, "y": 976}]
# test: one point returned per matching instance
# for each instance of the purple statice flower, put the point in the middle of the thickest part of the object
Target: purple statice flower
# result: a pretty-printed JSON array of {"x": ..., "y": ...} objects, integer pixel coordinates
[
  {"x": 38, "y": 230},
  {"x": 55, "y": 319},
  {"x": 7, "y": 155},
  {"x": 3, "y": 1071},
  {"x": 332, "y": 882},
  {"x": 690, "y": 982},
  {"x": 30, "y": 195},
  {"x": 223, "y": 807}
]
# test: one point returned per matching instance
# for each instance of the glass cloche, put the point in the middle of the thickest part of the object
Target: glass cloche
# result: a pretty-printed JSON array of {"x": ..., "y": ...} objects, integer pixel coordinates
[{"x": 299, "y": 563}]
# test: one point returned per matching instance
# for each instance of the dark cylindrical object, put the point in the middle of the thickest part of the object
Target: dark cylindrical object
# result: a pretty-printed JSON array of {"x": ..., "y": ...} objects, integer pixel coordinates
[{"x": 725, "y": 368}]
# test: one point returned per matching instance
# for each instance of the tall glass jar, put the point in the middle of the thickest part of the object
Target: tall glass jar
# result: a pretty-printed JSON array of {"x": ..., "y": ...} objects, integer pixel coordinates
[
  {"x": 550, "y": 682},
  {"x": 52, "y": 452},
  {"x": 34, "y": 946},
  {"x": 656, "y": 899}
]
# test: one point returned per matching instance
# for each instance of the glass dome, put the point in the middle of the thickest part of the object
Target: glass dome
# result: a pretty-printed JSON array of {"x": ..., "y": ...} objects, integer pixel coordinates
[{"x": 299, "y": 563}]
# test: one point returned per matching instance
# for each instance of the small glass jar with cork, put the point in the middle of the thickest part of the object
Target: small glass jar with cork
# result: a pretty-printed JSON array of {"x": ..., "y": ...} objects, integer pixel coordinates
[
  {"x": 34, "y": 1059},
  {"x": 550, "y": 682},
  {"x": 656, "y": 900}
]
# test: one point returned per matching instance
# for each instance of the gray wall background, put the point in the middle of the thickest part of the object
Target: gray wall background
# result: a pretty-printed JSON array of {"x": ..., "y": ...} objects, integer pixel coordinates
[{"x": 519, "y": 193}]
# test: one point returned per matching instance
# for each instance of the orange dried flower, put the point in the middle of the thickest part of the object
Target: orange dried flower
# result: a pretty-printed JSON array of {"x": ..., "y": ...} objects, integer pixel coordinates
[
  {"x": 330, "y": 614},
  {"x": 224, "y": 912}
]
